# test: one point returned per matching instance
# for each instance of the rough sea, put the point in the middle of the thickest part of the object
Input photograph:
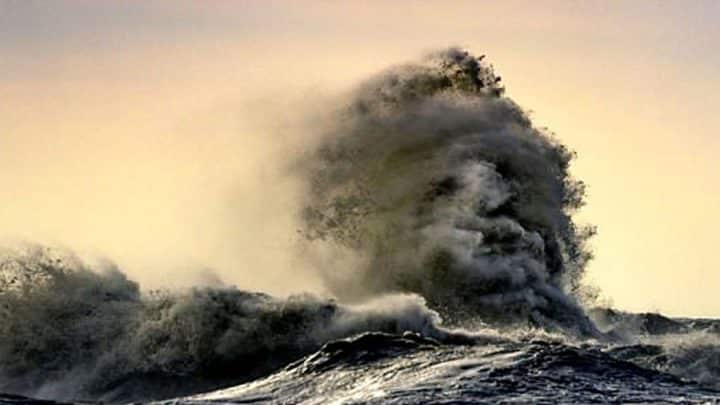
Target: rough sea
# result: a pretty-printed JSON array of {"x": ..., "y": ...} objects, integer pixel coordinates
[{"x": 440, "y": 220}]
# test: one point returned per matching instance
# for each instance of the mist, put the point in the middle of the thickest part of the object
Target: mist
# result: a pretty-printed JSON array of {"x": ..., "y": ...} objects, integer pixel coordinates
[{"x": 173, "y": 197}]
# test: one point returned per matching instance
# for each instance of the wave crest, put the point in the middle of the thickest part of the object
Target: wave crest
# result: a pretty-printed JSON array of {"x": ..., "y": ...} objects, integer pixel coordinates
[
  {"x": 445, "y": 189},
  {"x": 69, "y": 331}
]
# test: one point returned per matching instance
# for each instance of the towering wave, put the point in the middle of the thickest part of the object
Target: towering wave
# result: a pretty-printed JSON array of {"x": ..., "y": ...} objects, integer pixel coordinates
[
  {"x": 443, "y": 187},
  {"x": 431, "y": 199},
  {"x": 435, "y": 181}
]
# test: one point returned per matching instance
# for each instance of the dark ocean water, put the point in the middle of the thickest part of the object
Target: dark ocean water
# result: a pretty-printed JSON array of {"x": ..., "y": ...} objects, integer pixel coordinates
[
  {"x": 379, "y": 368},
  {"x": 410, "y": 369}
]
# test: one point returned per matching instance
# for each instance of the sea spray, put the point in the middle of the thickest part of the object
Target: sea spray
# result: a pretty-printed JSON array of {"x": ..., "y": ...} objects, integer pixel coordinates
[
  {"x": 443, "y": 187},
  {"x": 437, "y": 187},
  {"x": 69, "y": 331}
]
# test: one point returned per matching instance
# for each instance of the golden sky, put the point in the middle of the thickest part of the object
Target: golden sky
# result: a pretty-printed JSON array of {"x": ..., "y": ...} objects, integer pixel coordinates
[{"x": 154, "y": 132}]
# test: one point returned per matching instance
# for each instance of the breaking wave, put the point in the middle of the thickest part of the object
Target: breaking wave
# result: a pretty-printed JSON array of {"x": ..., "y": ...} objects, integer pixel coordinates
[
  {"x": 443, "y": 187},
  {"x": 68, "y": 331},
  {"x": 431, "y": 200}
]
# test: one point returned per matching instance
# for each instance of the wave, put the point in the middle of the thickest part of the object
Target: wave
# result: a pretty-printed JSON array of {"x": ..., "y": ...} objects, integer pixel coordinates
[
  {"x": 432, "y": 202},
  {"x": 68, "y": 331},
  {"x": 443, "y": 187},
  {"x": 686, "y": 348},
  {"x": 377, "y": 368}
]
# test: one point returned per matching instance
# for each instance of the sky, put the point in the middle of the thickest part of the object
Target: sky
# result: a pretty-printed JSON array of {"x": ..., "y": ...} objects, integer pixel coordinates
[{"x": 154, "y": 132}]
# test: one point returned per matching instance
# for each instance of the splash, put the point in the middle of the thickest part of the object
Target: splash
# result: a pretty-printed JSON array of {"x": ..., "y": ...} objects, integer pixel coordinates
[
  {"x": 69, "y": 331},
  {"x": 431, "y": 199},
  {"x": 442, "y": 187}
]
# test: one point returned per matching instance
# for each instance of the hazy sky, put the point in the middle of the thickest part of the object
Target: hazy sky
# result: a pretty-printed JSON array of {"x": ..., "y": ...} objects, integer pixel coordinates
[{"x": 154, "y": 131}]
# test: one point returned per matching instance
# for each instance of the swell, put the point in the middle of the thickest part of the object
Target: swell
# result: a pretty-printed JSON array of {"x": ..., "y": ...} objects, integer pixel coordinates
[
  {"x": 409, "y": 369},
  {"x": 686, "y": 348}
]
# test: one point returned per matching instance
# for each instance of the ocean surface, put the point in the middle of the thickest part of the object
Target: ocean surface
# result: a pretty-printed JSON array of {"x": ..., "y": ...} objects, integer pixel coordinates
[
  {"x": 377, "y": 368},
  {"x": 674, "y": 361}
]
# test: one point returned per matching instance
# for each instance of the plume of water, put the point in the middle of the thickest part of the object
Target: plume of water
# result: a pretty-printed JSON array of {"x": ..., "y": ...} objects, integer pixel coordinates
[{"x": 442, "y": 187}]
